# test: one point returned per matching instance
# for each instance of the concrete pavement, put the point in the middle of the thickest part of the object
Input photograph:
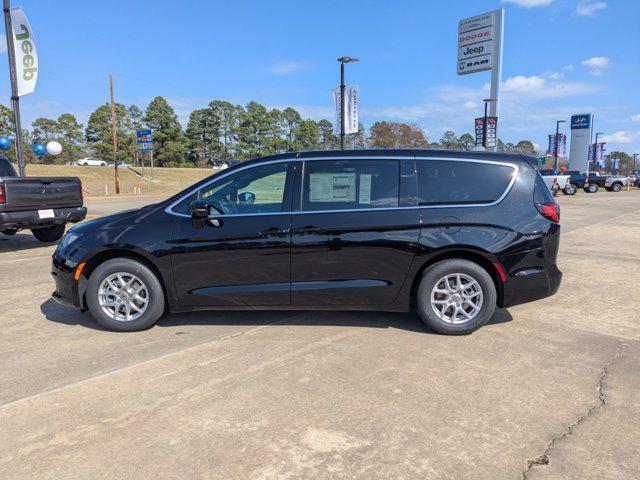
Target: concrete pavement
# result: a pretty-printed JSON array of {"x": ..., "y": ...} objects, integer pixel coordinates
[{"x": 546, "y": 390}]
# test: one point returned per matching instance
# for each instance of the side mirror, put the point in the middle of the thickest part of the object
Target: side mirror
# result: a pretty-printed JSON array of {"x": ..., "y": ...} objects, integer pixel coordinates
[{"x": 200, "y": 213}]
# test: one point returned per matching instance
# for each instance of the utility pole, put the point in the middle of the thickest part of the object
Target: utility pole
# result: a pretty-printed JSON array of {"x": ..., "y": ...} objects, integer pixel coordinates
[
  {"x": 555, "y": 150},
  {"x": 15, "y": 99},
  {"x": 633, "y": 170},
  {"x": 115, "y": 137}
]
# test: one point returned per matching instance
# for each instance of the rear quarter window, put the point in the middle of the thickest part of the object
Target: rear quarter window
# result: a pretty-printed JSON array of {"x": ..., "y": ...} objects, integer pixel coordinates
[
  {"x": 541, "y": 193},
  {"x": 450, "y": 182}
]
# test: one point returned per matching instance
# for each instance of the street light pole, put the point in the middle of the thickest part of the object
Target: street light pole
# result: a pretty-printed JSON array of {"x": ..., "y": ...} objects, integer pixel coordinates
[
  {"x": 342, "y": 61},
  {"x": 484, "y": 122},
  {"x": 555, "y": 153}
]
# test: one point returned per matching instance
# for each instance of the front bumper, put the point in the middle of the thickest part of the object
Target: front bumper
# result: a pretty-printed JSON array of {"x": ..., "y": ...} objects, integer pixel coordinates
[
  {"x": 30, "y": 218},
  {"x": 69, "y": 291}
]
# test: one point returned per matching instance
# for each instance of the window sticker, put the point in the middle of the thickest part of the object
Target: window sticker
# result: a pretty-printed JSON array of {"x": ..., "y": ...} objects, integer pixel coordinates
[
  {"x": 332, "y": 187},
  {"x": 364, "y": 196}
]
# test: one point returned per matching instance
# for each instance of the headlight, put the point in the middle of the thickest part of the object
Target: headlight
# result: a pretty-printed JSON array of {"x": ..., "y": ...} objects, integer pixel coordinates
[{"x": 68, "y": 239}]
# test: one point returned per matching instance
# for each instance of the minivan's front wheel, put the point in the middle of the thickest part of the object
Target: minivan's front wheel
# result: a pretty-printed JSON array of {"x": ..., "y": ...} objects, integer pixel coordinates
[
  {"x": 456, "y": 297},
  {"x": 125, "y": 295}
]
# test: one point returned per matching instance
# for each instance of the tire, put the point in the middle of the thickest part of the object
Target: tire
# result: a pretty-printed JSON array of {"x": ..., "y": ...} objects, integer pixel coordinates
[
  {"x": 616, "y": 187},
  {"x": 591, "y": 188},
  {"x": 570, "y": 189},
  {"x": 113, "y": 272},
  {"x": 49, "y": 234},
  {"x": 469, "y": 271}
]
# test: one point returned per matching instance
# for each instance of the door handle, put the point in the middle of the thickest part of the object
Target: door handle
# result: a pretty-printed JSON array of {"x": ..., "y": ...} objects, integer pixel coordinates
[
  {"x": 308, "y": 229},
  {"x": 274, "y": 232}
]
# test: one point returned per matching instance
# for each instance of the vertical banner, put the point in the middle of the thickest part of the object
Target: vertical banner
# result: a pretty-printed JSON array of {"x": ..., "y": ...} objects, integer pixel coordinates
[
  {"x": 351, "y": 109},
  {"x": 24, "y": 47},
  {"x": 562, "y": 145},
  {"x": 614, "y": 165},
  {"x": 552, "y": 144},
  {"x": 479, "y": 129}
]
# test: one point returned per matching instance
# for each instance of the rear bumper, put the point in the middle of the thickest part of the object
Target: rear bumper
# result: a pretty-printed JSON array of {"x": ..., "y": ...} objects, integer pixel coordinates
[
  {"x": 29, "y": 218},
  {"x": 532, "y": 285}
]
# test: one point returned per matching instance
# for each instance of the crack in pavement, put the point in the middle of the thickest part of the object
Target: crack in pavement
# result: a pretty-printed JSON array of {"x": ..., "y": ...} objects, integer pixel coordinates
[{"x": 600, "y": 404}]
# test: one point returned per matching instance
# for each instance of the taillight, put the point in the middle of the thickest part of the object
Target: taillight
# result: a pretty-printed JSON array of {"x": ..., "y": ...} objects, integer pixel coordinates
[
  {"x": 81, "y": 192},
  {"x": 3, "y": 197},
  {"x": 550, "y": 211}
]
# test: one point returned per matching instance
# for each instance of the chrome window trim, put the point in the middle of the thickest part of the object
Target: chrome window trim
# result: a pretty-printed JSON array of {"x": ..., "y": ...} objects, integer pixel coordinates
[{"x": 516, "y": 171}]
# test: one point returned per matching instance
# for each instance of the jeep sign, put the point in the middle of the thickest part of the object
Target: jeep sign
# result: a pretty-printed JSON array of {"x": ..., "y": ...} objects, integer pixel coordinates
[
  {"x": 24, "y": 47},
  {"x": 474, "y": 50}
]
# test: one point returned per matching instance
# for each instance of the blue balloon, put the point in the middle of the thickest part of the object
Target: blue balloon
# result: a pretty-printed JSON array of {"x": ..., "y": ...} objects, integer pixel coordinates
[
  {"x": 5, "y": 143},
  {"x": 40, "y": 149}
]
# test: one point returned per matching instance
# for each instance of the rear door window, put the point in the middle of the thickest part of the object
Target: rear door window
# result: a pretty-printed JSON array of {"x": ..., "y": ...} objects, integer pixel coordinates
[
  {"x": 451, "y": 182},
  {"x": 350, "y": 184}
]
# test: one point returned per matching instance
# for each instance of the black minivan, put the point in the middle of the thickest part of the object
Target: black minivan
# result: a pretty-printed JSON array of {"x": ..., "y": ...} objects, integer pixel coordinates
[{"x": 454, "y": 234}]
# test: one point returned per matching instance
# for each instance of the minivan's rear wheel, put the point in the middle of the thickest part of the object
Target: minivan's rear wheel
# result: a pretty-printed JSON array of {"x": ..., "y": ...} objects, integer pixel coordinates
[
  {"x": 49, "y": 234},
  {"x": 456, "y": 297},
  {"x": 125, "y": 295}
]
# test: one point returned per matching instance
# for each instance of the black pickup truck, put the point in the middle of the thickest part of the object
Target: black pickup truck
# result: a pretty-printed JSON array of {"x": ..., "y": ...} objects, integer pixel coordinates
[{"x": 41, "y": 204}]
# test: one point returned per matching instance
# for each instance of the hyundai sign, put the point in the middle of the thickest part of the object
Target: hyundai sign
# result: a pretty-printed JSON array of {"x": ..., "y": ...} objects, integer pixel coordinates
[
  {"x": 580, "y": 121},
  {"x": 581, "y": 125}
]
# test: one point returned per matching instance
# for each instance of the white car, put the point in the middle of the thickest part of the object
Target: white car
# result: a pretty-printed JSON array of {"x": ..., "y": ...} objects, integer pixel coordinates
[{"x": 91, "y": 162}]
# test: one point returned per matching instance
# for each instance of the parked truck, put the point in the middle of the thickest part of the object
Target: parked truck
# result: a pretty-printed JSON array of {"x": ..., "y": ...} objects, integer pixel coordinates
[{"x": 41, "y": 204}]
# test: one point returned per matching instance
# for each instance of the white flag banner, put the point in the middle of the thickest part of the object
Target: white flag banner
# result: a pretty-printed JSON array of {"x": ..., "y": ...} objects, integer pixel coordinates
[
  {"x": 351, "y": 108},
  {"x": 24, "y": 47}
]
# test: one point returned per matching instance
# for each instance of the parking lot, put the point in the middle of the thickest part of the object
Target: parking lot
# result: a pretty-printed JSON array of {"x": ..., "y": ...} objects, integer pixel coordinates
[{"x": 546, "y": 390}]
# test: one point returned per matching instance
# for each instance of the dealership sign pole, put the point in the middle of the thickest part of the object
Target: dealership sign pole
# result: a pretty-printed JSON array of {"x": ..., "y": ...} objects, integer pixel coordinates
[
  {"x": 480, "y": 41},
  {"x": 23, "y": 66}
]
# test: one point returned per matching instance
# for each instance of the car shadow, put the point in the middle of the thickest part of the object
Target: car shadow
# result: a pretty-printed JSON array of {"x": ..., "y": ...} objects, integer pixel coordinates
[
  {"x": 20, "y": 242},
  {"x": 409, "y": 321}
]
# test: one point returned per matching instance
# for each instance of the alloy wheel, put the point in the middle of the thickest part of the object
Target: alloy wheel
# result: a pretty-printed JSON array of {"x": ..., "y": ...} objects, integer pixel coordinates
[
  {"x": 457, "y": 298},
  {"x": 123, "y": 297}
]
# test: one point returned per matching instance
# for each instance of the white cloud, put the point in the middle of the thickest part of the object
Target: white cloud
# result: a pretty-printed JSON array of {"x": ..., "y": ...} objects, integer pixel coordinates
[
  {"x": 530, "y": 3},
  {"x": 286, "y": 68},
  {"x": 536, "y": 87},
  {"x": 587, "y": 8},
  {"x": 619, "y": 137},
  {"x": 470, "y": 105},
  {"x": 3, "y": 43},
  {"x": 596, "y": 64},
  {"x": 636, "y": 118}
]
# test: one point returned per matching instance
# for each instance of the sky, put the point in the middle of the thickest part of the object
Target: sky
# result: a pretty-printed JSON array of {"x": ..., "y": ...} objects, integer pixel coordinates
[{"x": 561, "y": 57}]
